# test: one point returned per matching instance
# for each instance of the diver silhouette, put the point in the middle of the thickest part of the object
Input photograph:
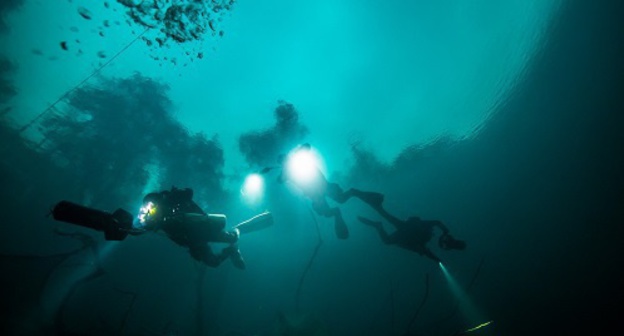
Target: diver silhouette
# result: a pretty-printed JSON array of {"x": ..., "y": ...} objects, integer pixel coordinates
[
  {"x": 413, "y": 233},
  {"x": 320, "y": 189},
  {"x": 174, "y": 212}
]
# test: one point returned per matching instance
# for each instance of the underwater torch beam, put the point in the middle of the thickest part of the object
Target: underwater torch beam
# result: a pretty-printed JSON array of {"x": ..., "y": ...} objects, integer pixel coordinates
[{"x": 472, "y": 281}]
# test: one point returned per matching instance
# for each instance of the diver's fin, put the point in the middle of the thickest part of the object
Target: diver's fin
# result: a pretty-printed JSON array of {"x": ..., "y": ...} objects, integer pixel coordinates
[
  {"x": 371, "y": 198},
  {"x": 258, "y": 222},
  {"x": 340, "y": 227},
  {"x": 368, "y": 221},
  {"x": 237, "y": 259}
]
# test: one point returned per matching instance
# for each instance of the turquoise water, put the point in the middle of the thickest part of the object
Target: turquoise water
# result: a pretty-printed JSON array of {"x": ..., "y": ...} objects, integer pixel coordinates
[
  {"x": 432, "y": 69},
  {"x": 500, "y": 119}
]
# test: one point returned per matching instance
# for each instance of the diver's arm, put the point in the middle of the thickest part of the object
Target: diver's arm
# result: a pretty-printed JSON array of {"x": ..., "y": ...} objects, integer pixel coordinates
[
  {"x": 194, "y": 208},
  {"x": 441, "y": 225},
  {"x": 430, "y": 255},
  {"x": 184, "y": 197}
]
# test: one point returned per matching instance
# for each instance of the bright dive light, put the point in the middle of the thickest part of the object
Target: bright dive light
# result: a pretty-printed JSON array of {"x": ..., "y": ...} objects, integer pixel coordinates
[
  {"x": 253, "y": 187},
  {"x": 146, "y": 211},
  {"x": 302, "y": 166}
]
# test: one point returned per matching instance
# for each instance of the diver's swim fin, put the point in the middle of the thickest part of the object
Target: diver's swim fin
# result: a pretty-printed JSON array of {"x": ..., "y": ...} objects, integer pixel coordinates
[
  {"x": 340, "y": 227},
  {"x": 258, "y": 222},
  {"x": 371, "y": 198},
  {"x": 369, "y": 222},
  {"x": 237, "y": 259}
]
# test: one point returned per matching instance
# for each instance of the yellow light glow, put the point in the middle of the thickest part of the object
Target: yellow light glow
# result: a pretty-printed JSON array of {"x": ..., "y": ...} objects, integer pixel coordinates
[
  {"x": 479, "y": 326},
  {"x": 146, "y": 212}
]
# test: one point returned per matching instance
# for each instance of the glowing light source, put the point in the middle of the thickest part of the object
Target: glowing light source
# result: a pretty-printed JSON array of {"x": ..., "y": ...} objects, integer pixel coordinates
[
  {"x": 146, "y": 211},
  {"x": 253, "y": 187},
  {"x": 479, "y": 326},
  {"x": 302, "y": 166},
  {"x": 465, "y": 303}
]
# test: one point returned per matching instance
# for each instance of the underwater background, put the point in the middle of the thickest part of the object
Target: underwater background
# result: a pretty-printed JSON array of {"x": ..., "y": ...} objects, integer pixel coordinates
[{"x": 502, "y": 119}]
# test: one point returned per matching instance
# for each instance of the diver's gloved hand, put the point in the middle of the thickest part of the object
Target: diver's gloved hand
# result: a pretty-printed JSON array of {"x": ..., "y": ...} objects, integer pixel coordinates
[
  {"x": 447, "y": 242},
  {"x": 431, "y": 256}
]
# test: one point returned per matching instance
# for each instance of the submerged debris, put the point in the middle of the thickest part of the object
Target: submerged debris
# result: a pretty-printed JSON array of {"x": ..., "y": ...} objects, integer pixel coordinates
[
  {"x": 164, "y": 23},
  {"x": 85, "y": 13},
  {"x": 179, "y": 21}
]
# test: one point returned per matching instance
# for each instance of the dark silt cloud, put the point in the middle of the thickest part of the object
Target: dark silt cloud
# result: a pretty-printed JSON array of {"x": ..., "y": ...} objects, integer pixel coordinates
[
  {"x": 108, "y": 133},
  {"x": 263, "y": 147}
]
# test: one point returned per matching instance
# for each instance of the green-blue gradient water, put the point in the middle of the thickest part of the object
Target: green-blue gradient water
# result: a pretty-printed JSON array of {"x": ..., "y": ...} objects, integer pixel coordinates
[{"x": 502, "y": 120}]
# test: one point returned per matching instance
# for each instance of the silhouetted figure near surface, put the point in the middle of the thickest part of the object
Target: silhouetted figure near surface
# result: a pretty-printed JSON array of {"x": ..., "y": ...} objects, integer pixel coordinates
[
  {"x": 319, "y": 189},
  {"x": 412, "y": 234},
  {"x": 174, "y": 212}
]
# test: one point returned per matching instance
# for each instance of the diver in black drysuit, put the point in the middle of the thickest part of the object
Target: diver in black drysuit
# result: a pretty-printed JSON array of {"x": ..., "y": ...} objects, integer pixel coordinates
[
  {"x": 185, "y": 223},
  {"x": 412, "y": 234}
]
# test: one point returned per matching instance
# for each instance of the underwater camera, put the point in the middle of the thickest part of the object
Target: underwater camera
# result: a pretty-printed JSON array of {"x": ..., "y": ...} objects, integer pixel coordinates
[
  {"x": 115, "y": 225},
  {"x": 447, "y": 242}
]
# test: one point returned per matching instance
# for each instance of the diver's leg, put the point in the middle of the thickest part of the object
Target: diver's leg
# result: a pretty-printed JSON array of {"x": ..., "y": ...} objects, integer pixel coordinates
[
  {"x": 205, "y": 228},
  {"x": 430, "y": 255},
  {"x": 385, "y": 237},
  {"x": 235, "y": 256},
  {"x": 440, "y": 225},
  {"x": 335, "y": 192},
  {"x": 204, "y": 254},
  {"x": 340, "y": 227},
  {"x": 321, "y": 207},
  {"x": 374, "y": 199},
  {"x": 230, "y": 237},
  {"x": 397, "y": 223}
]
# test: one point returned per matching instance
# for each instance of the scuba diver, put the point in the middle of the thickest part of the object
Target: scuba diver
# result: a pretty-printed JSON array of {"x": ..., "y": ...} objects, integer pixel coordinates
[
  {"x": 319, "y": 189},
  {"x": 174, "y": 212},
  {"x": 413, "y": 234}
]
